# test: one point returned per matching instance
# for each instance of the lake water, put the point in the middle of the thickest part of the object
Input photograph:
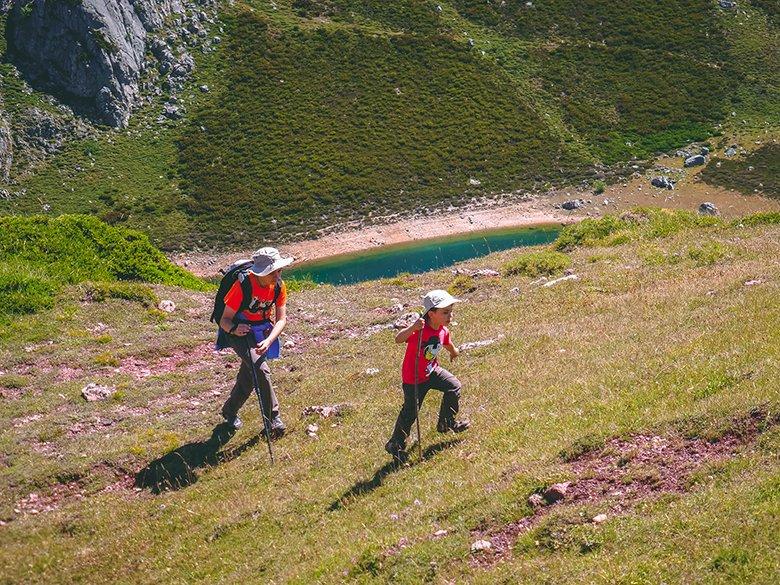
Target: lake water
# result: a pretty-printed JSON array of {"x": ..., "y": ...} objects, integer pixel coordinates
[{"x": 419, "y": 256}]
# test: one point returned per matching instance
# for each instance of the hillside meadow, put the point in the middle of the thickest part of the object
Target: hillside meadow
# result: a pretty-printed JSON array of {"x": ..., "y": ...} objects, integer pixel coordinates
[
  {"x": 324, "y": 111},
  {"x": 649, "y": 382}
]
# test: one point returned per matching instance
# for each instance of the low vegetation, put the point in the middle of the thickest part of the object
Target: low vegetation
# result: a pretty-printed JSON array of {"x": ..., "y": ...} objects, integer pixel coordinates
[
  {"x": 41, "y": 254},
  {"x": 629, "y": 377},
  {"x": 757, "y": 173},
  {"x": 537, "y": 264},
  {"x": 321, "y": 111}
]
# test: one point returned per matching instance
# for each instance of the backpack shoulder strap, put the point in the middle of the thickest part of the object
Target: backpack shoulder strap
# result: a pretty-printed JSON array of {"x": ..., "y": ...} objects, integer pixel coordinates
[{"x": 246, "y": 290}]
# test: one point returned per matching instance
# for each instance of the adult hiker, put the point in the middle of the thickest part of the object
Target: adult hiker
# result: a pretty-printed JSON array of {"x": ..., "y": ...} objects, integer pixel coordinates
[
  {"x": 421, "y": 371},
  {"x": 254, "y": 306}
]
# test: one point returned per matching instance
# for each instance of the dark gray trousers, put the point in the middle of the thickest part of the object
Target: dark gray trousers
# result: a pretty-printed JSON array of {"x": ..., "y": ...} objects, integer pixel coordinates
[
  {"x": 440, "y": 379},
  {"x": 244, "y": 385}
]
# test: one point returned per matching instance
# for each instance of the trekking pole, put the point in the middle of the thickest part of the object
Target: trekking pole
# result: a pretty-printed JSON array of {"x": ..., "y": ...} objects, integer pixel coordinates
[
  {"x": 416, "y": 396},
  {"x": 266, "y": 422}
]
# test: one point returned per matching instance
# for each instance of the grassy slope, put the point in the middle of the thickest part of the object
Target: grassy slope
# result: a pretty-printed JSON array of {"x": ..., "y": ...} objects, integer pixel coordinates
[
  {"x": 303, "y": 123},
  {"x": 643, "y": 341}
]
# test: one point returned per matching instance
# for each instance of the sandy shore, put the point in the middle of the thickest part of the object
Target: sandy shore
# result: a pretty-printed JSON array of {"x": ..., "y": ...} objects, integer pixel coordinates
[{"x": 530, "y": 211}]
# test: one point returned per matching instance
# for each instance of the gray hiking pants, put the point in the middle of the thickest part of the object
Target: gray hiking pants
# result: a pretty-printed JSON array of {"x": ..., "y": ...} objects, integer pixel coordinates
[
  {"x": 440, "y": 379},
  {"x": 244, "y": 385}
]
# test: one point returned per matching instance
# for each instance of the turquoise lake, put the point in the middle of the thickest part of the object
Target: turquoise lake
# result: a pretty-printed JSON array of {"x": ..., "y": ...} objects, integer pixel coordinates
[{"x": 419, "y": 256}]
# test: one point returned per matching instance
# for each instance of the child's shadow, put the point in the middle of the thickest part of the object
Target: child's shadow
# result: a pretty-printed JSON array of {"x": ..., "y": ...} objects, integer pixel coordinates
[
  {"x": 176, "y": 469},
  {"x": 365, "y": 486}
]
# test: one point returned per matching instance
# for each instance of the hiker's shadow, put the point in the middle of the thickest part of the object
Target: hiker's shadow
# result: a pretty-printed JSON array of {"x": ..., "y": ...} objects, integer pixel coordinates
[
  {"x": 365, "y": 486},
  {"x": 176, "y": 469}
]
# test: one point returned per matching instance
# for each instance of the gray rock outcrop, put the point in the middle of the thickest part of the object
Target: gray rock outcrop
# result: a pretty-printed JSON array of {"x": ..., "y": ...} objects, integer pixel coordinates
[
  {"x": 89, "y": 53},
  {"x": 708, "y": 208},
  {"x": 694, "y": 161},
  {"x": 6, "y": 148},
  {"x": 662, "y": 182}
]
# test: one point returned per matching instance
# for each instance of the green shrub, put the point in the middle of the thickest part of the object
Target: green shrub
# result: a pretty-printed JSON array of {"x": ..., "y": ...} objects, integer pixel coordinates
[
  {"x": 14, "y": 381},
  {"x": 707, "y": 254},
  {"x": 129, "y": 291},
  {"x": 300, "y": 283},
  {"x": 461, "y": 285},
  {"x": 763, "y": 218},
  {"x": 599, "y": 187},
  {"x": 588, "y": 232},
  {"x": 39, "y": 254},
  {"x": 537, "y": 263}
]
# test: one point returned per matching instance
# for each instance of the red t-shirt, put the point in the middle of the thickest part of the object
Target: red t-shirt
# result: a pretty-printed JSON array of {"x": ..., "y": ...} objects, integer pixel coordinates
[
  {"x": 433, "y": 341},
  {"x": 262, "y": 296}
]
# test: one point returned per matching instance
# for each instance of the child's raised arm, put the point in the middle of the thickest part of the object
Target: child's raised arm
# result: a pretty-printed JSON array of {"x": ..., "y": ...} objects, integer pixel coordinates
[
  {"x": 404, "y": 334},
  {"x": 452, "y": 350}
]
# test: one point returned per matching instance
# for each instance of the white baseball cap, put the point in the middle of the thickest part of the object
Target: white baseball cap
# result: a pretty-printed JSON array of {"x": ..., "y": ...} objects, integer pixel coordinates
[
  {"x": 266, "y": 260},
  {"x": 438, "y": 299}
]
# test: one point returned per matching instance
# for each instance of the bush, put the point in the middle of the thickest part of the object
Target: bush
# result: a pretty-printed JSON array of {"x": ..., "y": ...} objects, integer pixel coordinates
[
  {"x": 300, "y": 283},
  {"x": 763, "y": 218},
  {"x": 707, "y": 254},
  {"x": 128, "y": 291},
  {"x": 537, "y": 263},
  {"x": 598, "y": 187},
  {"x": 41, "y": 254},
  {"x": 461, "y": 285}
]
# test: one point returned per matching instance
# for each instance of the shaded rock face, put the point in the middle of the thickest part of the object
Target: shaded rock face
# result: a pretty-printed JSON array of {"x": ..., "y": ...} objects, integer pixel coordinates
[
  {"x": 90, "y": 53},
  {"x": 6, "y": 149}
]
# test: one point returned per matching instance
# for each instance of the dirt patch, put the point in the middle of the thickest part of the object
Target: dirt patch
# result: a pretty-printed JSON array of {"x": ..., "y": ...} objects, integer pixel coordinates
[
  {"x": 189, "y": 360},
  {"x": 627, "y": 470},
  {"x": 116, "y": 479}
]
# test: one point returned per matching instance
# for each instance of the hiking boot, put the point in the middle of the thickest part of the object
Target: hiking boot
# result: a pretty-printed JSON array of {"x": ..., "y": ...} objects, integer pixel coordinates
[
  {"x": 233, "y": 421},
  {"x": 396, "y": 450},
  {"x": 456, "y": 426},
  {"x": 278, "y": 427}
]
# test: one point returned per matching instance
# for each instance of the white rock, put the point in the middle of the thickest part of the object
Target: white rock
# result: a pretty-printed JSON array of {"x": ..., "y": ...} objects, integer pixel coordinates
[
  {"x": 167, "y": 306},
  {"x": 599, "y": 518},
  {"x": 92, "y": 392},
  {"x": 561, "y": 279},
  {"x": 481, "y": 545},
  {"x": 372, "y": 371},
  {"x": 440, "y": 533}
]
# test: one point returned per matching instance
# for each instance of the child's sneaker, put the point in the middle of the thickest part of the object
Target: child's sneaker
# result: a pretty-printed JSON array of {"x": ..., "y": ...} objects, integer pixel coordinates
[
  {"x": 456, "y": 426},
  {"x": 396, "y": 450}
]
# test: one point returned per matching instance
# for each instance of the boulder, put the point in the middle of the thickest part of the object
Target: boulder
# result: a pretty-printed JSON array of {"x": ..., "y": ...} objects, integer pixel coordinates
[
  {"x": 480, "y": 546},
  {"x": 731, "y": 150},
  {"x": 536, "y": 500},
  {"x": 708, "y": 208},
  {"x": 662, "y": 182},
  {"x": 694, "y": 161},
  {"x": 573, "y": 204},
  {"x": 727, "y": 4},
  {"x": 167, "y": 306},
  {"x": 92, "y": 392},
  {"x": 556, "y": 492}
]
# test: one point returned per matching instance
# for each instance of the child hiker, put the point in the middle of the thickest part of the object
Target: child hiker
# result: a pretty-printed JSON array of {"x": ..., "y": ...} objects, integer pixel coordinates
[
  {"x": 432, "y": 326},
  {"x": 248, "y": 305}
]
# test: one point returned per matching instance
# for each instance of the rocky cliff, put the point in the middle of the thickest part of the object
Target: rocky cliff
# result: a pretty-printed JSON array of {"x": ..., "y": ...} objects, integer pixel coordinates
[{"x": 89, "y": 53}]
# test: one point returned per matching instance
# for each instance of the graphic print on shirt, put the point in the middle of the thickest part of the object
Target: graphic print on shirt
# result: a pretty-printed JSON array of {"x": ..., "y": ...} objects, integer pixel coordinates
[
  {"x": 257, "y": 306},
  {"x": 431, "y": 349}
]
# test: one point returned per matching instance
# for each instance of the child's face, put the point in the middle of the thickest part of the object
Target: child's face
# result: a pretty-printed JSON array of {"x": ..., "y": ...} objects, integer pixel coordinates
[{"x": 439, "y": 317}]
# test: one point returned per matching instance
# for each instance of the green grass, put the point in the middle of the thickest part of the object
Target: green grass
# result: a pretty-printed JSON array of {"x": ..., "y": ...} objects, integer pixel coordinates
[
  {"x": 41, "y": 254},
  {"x": 644, "y": 351},
  {"x": 758, "y": 172},
  {"x": 322, "y": 111},
  {"x": 537, "y": 263}
]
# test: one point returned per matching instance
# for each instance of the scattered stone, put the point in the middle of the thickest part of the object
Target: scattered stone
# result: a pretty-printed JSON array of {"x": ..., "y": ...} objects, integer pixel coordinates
[
  {"x": 475, "y": 344},
  {"x": 289, "y": 344},
  {"x": 704, "y": 151},
  {"x": 753, "y": 282},
  {"x": 731, "y": 150},
  {"x": 708, "y": 208},
  {"x": 694, "y": 161},
  {"x": 312, "y": 430},
  {"x": 599, "y": 518},
  {"x": 480, "y": 546},
  {"x": 440, "y": 533},
  {"x": 372, "y": 371},
  {"x": 662, "y": 182},
  {"x": 515, "y": 290},
  {"x": 572, "y": 204},
  {"x": 92, "y": 392},
  {"x": 479, "y": 273},
  {"x": 172, "y": 111},
  {"x": 327, "y": 411},
  {"x": 475, "y": 182},
  {"x": 561, "y": 279},
  {"x": 204, "y": 88},
  {"x": 167, "y": 306},
  {"x": 536, "y": 500},
  {"x": 405, "y": 320},
  {"x": 556, "y": 492},
  {"x": 727, "y": 4}
]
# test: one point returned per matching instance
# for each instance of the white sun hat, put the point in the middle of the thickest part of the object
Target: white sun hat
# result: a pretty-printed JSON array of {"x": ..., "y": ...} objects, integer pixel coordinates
[
  {"x": 266, "y": 260},
  {"x": 438, "y": 299}
]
